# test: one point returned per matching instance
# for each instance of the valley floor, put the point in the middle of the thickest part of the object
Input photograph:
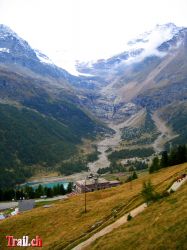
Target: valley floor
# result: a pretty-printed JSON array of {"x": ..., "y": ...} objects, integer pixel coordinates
[{"x": 113, "y": 142}]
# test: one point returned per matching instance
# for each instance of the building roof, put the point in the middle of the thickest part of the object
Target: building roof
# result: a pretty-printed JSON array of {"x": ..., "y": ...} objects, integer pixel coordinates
[
  {"x": 91, "y": 181},
  {"x": 115, "y": 182}
]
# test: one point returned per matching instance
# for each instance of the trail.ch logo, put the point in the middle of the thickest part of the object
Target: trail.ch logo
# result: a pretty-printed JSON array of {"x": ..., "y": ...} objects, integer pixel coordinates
[{"x": 23, "y": 242}]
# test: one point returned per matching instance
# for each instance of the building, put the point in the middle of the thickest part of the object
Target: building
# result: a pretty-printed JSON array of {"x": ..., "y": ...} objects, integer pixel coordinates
[
  {"x": 2, "y": 216},
  {"x": 25, "y": 205},
  {"x": 93, "y": 184}
]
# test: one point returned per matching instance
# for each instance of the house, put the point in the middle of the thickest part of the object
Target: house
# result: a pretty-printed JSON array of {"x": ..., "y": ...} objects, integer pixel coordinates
[
  {"x": 24, "y": 205},
  {"x": 93, "y": 184},
  {"x": 2, "y": 217}
]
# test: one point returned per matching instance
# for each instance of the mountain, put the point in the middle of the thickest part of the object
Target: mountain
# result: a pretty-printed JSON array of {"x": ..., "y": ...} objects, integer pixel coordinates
[
  {"x": 15, "y": 50},
  {"x": 42, "y": 119},
  {"x": 151, "y": 73},
  {"x": 149, "y": 76},
  {"x": 143, "y": 46}
]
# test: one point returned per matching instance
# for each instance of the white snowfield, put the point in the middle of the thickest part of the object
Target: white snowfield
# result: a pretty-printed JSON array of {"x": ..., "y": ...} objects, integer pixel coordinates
[{"x": 176, "y": 185}]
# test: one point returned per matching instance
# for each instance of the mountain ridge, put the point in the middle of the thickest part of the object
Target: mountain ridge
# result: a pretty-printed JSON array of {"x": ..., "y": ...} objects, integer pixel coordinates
[{"x": 37, "y": 98}]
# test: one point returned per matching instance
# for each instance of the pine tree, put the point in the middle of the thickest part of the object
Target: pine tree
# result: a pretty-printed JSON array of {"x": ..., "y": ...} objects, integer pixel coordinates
[
  {"x": 39, "y": 191},
  {"x": 173, "y": 157},
  {"x": 154, "y": 166},
  {"x": 62, "y": 189},
  {"x": 49, "y": 192},
  {"x": 148, "y": 191},
  {"x": 134, "y": 175},
  {"x": 1, "y": 195},
  {"x": 181, "y": 154},
  {"x": 56, "y": 190},
  {"x": 69, "y": 188},
  {"x": 29, "y": 192},
  {"x": 164, "y": 162}
]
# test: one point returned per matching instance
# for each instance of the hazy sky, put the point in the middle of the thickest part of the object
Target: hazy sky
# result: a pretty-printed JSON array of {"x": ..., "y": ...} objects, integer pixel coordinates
[{"x": 67, "y": 30}]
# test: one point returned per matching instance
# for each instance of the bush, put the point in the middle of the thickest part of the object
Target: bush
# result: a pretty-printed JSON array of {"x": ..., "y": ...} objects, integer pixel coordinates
[
  {"x": 148, "y": 192},
  {"x": 129, "y": 217}
]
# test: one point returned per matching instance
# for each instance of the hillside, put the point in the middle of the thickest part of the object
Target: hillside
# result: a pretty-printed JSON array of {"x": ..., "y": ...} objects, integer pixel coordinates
[
  {"x": 175, "y": 115},
  {"x": 65, "y": 222},
  {"x": 141, "y": 131},
  {"x": 160, "y": 226},
  {"x": 51, "y": 127},
  {"x": 42, "y": 118},
  {"x": 29, "y": 138}
]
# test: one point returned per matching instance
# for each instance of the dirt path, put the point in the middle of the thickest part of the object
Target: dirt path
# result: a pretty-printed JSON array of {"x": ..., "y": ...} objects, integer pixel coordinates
[
  {"x": 175, "y": 186},
  {"x": 166, "y": 133},
  {"x": 111, "y": 227}
]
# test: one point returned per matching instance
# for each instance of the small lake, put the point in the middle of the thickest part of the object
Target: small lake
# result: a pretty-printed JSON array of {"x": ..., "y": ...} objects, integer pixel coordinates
[{"x": 46, "y": 184}]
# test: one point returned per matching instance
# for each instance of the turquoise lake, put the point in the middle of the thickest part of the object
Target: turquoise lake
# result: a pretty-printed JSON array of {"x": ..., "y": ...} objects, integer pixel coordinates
[{"x": 46, "y": 184}]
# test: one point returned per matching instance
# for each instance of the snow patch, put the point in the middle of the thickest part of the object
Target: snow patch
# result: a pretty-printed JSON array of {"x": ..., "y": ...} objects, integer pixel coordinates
[
  {"x": 4, "y": 50},
  {"x": 43, "y": 58}
]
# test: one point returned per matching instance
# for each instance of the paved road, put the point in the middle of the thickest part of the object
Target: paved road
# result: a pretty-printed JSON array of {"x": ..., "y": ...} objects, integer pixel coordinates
[
  {"x": 109, "y": 228},
  {"x": 13, "y": 204}
]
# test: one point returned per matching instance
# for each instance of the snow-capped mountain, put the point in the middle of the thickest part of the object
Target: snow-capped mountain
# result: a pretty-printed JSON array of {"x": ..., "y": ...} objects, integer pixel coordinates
[
  {"x": 15, "y": 50},
  {"x": 145, "y": 45},
  {"x": 11, "y": 43},
  {"x": 160, "y": 33},
  {"x": 151, "y": 72}
]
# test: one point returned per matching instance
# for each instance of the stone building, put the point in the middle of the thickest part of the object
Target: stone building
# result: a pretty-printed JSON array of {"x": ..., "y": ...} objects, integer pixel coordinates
[{"x": 93, "y": 184}]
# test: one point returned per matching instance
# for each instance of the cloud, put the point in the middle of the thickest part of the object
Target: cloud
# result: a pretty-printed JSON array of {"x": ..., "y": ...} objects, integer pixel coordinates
[{"x": 154, "y": 39}]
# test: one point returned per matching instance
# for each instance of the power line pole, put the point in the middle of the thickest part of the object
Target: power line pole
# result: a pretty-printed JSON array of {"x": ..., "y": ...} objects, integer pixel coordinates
[{"x": 85, "y": 197}]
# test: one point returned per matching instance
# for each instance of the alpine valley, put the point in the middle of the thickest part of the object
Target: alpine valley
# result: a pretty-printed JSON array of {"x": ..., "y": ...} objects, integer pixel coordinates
[{"x": 134, "y": 103}]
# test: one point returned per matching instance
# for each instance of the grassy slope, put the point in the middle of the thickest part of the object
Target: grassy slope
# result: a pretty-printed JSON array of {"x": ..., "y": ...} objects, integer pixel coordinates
[
  {"x": 65, "y": 222},
  {"x": 175, "y": 115},
  {"x": 161, "y": 226}
]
